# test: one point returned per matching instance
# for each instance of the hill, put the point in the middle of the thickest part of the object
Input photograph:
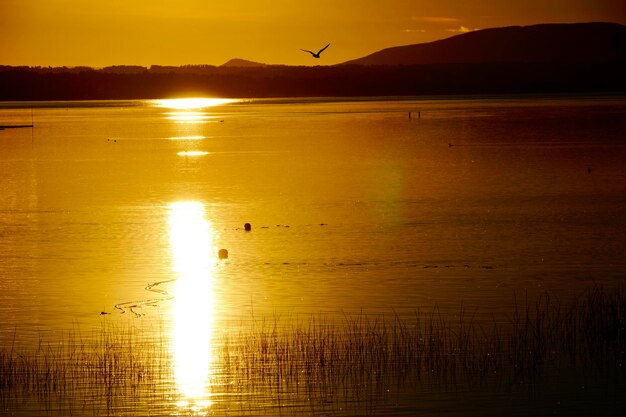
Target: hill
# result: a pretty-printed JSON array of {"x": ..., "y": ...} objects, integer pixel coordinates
[
  {"x": 544, "y": 43},
  {"x": 540, "y": 59},
  {"x": 240, "y": 63}
]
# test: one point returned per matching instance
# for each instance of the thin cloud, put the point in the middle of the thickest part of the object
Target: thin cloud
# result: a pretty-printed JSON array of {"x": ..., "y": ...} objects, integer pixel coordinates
[
  {"x": 414, "y": 31},
  {"x": 435, "y": 19},
  {"x": 461, "y": 29}
]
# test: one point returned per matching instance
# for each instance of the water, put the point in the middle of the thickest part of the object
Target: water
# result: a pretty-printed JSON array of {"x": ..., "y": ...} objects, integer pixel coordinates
[{"x": 355, "y": 209}]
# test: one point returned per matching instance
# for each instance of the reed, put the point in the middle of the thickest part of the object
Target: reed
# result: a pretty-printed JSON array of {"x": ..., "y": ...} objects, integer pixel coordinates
[
  {"x": 586, "y": 334},
  {"x": 355, "y": 358},
  {"x": 95, "y": 369}
]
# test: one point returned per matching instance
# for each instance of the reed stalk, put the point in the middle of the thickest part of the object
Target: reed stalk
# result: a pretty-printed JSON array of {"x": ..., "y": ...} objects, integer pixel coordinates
[{"x": 358, "y": 356}]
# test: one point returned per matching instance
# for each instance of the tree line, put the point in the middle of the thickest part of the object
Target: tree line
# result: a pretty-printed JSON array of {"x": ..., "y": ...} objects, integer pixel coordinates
[{"x": 133, "y": 82}]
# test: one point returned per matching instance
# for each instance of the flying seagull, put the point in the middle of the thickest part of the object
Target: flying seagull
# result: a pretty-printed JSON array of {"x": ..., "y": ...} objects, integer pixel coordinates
[{"x": 316, "y": 55}]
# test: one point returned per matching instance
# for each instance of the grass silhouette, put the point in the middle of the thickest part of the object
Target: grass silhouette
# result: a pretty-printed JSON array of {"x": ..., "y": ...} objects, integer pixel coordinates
[{"x": 319, "y": 361}]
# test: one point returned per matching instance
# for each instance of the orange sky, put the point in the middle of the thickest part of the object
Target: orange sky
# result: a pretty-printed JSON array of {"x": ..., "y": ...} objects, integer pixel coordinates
[{"x": 177, "y": 32}]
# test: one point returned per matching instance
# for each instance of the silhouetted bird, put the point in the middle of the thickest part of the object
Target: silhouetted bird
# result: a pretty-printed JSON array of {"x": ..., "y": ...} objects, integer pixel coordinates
[{"x": 316, "y": 55}]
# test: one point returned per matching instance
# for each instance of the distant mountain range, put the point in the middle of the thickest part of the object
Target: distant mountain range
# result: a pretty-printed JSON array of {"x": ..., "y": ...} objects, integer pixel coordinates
[
  {"x": 538, "y": 59},
  {"x": 544, "y": 43},
  {"x": 547, "y": 43}
]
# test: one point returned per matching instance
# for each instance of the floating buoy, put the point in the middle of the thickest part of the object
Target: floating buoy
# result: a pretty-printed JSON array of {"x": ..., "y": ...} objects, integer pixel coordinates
[
  {"x": 247, "y": 227},
  {"x": 222, "y": 254}
]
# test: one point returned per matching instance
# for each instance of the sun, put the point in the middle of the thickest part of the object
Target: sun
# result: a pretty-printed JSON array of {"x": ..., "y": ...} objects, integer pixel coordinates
[{"x": 192, "y": 103}]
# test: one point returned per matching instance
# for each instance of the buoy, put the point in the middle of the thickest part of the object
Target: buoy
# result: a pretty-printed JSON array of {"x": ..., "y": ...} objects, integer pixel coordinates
[
  {"x": 222, "y": 254},
  {"x": 247, "y": 227}
]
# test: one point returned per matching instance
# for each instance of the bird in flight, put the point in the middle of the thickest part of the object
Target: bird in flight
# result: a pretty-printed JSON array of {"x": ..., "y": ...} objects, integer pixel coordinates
[{"x": 316, "y": 55}]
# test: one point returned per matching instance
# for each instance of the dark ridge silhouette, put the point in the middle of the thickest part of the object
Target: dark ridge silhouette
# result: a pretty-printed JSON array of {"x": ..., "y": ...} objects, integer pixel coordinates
[
  {"x": 124, "y": 69},
  {"x": 535, "y": 60},
  {"x": 319, "y": 81},
  {"x": 545, "y": 43},
  {"x": 238, "y": 62}
]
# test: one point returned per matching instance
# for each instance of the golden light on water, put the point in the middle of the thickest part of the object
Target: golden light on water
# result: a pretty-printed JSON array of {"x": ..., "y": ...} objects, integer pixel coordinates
[
  {"x": 194, "y": 261},
  {"x": 192, "y": 103},
  {"x": 190, "y": 110},
  {"x": 192, "y": 153},
  {"x": 185, "y": 116},
  {"x": 187, "y": 138}
]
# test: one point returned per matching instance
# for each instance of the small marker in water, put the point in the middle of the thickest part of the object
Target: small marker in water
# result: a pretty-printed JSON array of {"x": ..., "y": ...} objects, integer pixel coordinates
[
  {"x": 222, "y": 254},
  {"x": 247, "y": 227}
]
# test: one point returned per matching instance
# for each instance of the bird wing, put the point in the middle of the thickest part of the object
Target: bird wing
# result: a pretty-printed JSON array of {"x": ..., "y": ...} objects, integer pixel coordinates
[
  {"x": 306, "y": 50},
  {"x": 322, "y": 50}
]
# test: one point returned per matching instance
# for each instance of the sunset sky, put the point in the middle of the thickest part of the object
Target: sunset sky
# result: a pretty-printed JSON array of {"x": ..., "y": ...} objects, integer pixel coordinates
[{"x": 177, "y": 32}]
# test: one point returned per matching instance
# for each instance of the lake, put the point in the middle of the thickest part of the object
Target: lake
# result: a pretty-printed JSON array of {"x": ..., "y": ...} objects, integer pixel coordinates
[{"x": 113, "y": 213}]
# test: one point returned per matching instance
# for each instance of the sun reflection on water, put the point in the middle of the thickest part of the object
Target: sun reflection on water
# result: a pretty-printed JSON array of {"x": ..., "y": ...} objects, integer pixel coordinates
[
  {"x": 194, "y": 262},
  {"x": 192, "y": 153},
  {"x": 191, "y": 110},
  {"x": 186, "y": 116},
  {"x": 197, "y": 137},
  {"x": 192, "y": 103}
]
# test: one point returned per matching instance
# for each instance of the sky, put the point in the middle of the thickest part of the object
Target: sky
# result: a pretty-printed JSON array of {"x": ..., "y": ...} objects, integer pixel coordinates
[{"x": 100, "y": 33}]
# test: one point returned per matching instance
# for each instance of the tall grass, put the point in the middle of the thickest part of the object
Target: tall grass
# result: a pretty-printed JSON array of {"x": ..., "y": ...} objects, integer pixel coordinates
[
  {"x": 585, "y": 333},
  {"x": 115, "y": 363},
  {"x": 320, "y": 359}
]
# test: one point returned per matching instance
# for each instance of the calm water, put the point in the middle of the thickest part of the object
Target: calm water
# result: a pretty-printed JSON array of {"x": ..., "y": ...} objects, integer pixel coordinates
[{"x": 354, "y": 209}]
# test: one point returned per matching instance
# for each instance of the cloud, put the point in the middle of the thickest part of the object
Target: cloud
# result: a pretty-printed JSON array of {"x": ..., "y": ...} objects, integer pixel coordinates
[
  {"x": 414, "y": 31},
  {"x": 461, "y": 29},
  {"x": 435, "y": 19}
]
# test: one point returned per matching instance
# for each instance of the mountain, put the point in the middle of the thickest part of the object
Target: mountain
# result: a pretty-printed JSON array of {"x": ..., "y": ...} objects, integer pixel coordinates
[
  {"x": 237, "y": 62},
  {"x": 544, "y": 43},
  {"x": 542, "y": 59}
]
